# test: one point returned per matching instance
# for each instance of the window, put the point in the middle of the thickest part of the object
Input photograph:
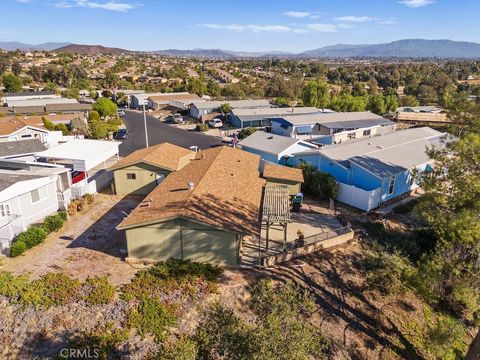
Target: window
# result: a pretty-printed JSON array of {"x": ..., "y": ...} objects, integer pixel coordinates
[
  {"x": 4, "y": 210},
  {"x": 352, "y": 135},
  {"x": 131, "y": 176},
  {"x": 35, "y": 195},
  {"x": 26, "y": 136},
  {"x": 391, "y": 185},
  {"x": 367, "y": 132}
]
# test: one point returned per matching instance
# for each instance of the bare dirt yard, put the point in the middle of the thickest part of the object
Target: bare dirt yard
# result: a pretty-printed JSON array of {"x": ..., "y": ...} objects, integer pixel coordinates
[{"x": 88, "y": 245}]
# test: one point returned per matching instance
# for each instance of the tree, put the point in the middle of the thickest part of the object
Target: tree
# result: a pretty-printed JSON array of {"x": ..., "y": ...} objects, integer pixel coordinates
[
  {"x": 358, "y": 89},
  {"x": 225, "y": 109},
  {"x": 197, "y": 86},
  {"x": 48, "y": 124},
  {"x": 316, "y": 93},
  {"x": 105, "y": 107},
  {"x": 280, "y": 330},
  {"x": 12, "y": 83},
  {"x": 318, "y": 184},
  {"x": 376, "y": 104},
  {"x": 409, "y": 100},
  {"x": 16, "y": 68},
  {"x": 391, "y": 103}
]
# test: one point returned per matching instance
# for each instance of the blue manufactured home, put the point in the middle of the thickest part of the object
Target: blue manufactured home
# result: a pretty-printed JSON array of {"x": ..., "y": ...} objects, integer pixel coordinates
[
  {"x": 372, "y": 171},
  {"x": 274, "y": 148}
]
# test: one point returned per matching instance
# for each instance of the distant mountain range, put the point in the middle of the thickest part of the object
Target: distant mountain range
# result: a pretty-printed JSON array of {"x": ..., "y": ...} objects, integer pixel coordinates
[
  {"x": 410, "y": 48},
  {"x": 14, "y": 45}
]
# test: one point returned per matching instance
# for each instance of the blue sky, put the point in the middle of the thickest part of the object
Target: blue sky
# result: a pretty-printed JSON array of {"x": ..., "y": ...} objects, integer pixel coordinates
[{"x": 249, "y": 25}]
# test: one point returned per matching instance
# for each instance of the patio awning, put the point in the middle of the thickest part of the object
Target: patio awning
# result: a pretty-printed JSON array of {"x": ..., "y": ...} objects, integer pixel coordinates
[
  {"x": 304, "y": 129},
  {"x": 276, "y": 204}
]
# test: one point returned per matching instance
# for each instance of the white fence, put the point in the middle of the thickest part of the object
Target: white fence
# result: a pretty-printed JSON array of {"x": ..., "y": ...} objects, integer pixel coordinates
[
  {"x": 8, "y": 232},
  {"x": 359, "y": 198}
]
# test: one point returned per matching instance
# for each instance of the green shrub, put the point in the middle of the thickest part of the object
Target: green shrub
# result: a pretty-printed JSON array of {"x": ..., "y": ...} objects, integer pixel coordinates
[
  {"x": 153, "y": 317},
  {"x": 63, "y": 215},
  {"x": 242, "y": 134},
  {"x": 201, "y": 127},
  {"x": 99, "y": 290},
  {"x": 181, "y": 349},
  {"x": 184, "y": 276},
  {"x": 48, "y": 124},
  {"x": 115, "y": 121},
  {"x": 57, "y": 288},
  {"x": 63, "y": 128},
  {"x": 53, "y": 223},
  {"x": 93, "y": 116},
  {"x": 318, "y": 184},
  {"x": 33, "y": 236},
  {"x": 17, "y": 248},
  {"x": 103, "y": 339}
]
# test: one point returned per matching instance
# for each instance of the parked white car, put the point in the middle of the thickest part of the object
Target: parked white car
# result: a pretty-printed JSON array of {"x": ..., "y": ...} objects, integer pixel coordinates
[
  {"x": 120, "y": 112},
  {"x": 177, "y": 119},
  {"x": 216, "y": 123}
]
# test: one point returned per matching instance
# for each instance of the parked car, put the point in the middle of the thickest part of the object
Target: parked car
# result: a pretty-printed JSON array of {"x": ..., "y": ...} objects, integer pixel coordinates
[
  {"x": 120, "y": 112},
  {"x": 177, "y": 118},
  {"x": 216, "y": 123},
  {"x": 121, "y": 134}
]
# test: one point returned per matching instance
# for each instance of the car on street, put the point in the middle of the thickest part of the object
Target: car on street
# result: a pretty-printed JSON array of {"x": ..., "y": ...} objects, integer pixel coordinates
[
  {"x": 121, "y": 134},
  {"x": 216, "y": 123},
  {"x": 120, "y": 112}
]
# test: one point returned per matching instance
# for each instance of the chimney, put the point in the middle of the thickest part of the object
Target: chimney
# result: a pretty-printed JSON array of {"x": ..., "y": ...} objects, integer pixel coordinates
[{"x": 190, "y": 186}]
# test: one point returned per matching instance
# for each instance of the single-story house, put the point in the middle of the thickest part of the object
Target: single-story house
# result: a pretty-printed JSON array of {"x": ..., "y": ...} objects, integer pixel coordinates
[
  {"x": 88, "y": 160},
  {"x": 274, "y": 148},
  {"x": 180, "y": 100},
  {"x": 141, "y": 171},
  {"x": 13, "y": 129},
  {"x": 200, "y": 212},
  {"x": 28, "y": 95},
  {"x": 259, "y": 117},
  {"x": 199, "y": 108},
  {"x": 284, "y": 175},
  {"x": 331, "y": 127},
  {"x": 373, "y": 171},
  {"x": 28, "y": 193}
]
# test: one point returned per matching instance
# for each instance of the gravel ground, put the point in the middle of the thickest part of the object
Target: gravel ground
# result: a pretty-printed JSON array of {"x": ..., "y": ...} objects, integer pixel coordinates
[{"x": 88, "y": 245}]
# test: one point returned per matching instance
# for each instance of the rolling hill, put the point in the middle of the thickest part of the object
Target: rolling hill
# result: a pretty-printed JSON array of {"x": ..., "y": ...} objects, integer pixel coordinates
[{"x": 91, "y": 49}]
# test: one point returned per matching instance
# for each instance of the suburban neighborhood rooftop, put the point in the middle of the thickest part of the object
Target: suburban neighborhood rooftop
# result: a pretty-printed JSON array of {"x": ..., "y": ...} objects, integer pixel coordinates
[
  {"x": 165, "y": 155},
  {"x": 221, "y": 187},
  {"x": 270, "y": 143},
  {"x": 361, "y": 118},
  {"x": 279, "y": 172}
]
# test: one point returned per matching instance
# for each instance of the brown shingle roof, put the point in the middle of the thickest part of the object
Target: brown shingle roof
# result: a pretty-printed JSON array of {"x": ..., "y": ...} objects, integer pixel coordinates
[
  {"x": 166, "y": 156},
  {"x": 279, "y": 172},
  {"x": 10, "y": 125},
  {"x": 226, "y": 194}
]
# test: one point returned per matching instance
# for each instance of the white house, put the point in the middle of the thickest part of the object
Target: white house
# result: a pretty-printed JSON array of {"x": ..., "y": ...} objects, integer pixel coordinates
[
  {"x": 88, "y": 161},
  {"x": 28, "y": 193}
]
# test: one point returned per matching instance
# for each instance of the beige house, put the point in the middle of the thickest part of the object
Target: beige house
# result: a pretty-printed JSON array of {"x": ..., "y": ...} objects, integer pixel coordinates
[
  {"x": 200, "y": 212},
  {"x": 284, "y": 175},
  {"x": 141, "y": 172}
]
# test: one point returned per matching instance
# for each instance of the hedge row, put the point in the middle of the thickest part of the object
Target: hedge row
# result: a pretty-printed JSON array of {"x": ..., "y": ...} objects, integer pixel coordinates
[{"x": 36, "y": 235}]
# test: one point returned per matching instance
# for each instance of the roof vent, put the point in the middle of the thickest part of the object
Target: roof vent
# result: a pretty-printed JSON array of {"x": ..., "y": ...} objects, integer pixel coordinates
[
  {"x": 369, "y": 143},
  {"x": 191, "y": 186},
  {"x": 270, "y": 137}
]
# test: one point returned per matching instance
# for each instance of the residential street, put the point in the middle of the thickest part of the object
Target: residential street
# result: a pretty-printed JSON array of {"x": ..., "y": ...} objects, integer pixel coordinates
[{"x": 159, "y": 133}]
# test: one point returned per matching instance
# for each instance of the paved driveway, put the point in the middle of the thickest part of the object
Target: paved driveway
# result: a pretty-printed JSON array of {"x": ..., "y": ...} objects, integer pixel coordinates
[{"x": 159, "y": 132}]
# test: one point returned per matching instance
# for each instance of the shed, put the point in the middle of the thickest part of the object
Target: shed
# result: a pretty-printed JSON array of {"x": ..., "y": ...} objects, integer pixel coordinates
[{"x": 284, "y": 175}]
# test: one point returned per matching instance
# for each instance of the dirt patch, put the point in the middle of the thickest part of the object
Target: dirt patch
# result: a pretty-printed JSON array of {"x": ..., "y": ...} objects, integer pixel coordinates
[{"x": 88, "y": 245}]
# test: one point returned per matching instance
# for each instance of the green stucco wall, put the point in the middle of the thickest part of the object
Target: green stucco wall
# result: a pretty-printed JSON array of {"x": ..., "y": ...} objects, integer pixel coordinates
[
  {"x": 144, "y": 183},
  {"x": 182, "y": 239}
]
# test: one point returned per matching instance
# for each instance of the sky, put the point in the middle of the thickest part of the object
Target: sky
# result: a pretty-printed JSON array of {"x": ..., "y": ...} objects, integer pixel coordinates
[{"x": 241, "y": 25}]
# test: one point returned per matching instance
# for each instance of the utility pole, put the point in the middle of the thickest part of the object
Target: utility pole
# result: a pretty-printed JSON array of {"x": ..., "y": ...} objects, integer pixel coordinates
[{"x": 145, "y": 123}]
